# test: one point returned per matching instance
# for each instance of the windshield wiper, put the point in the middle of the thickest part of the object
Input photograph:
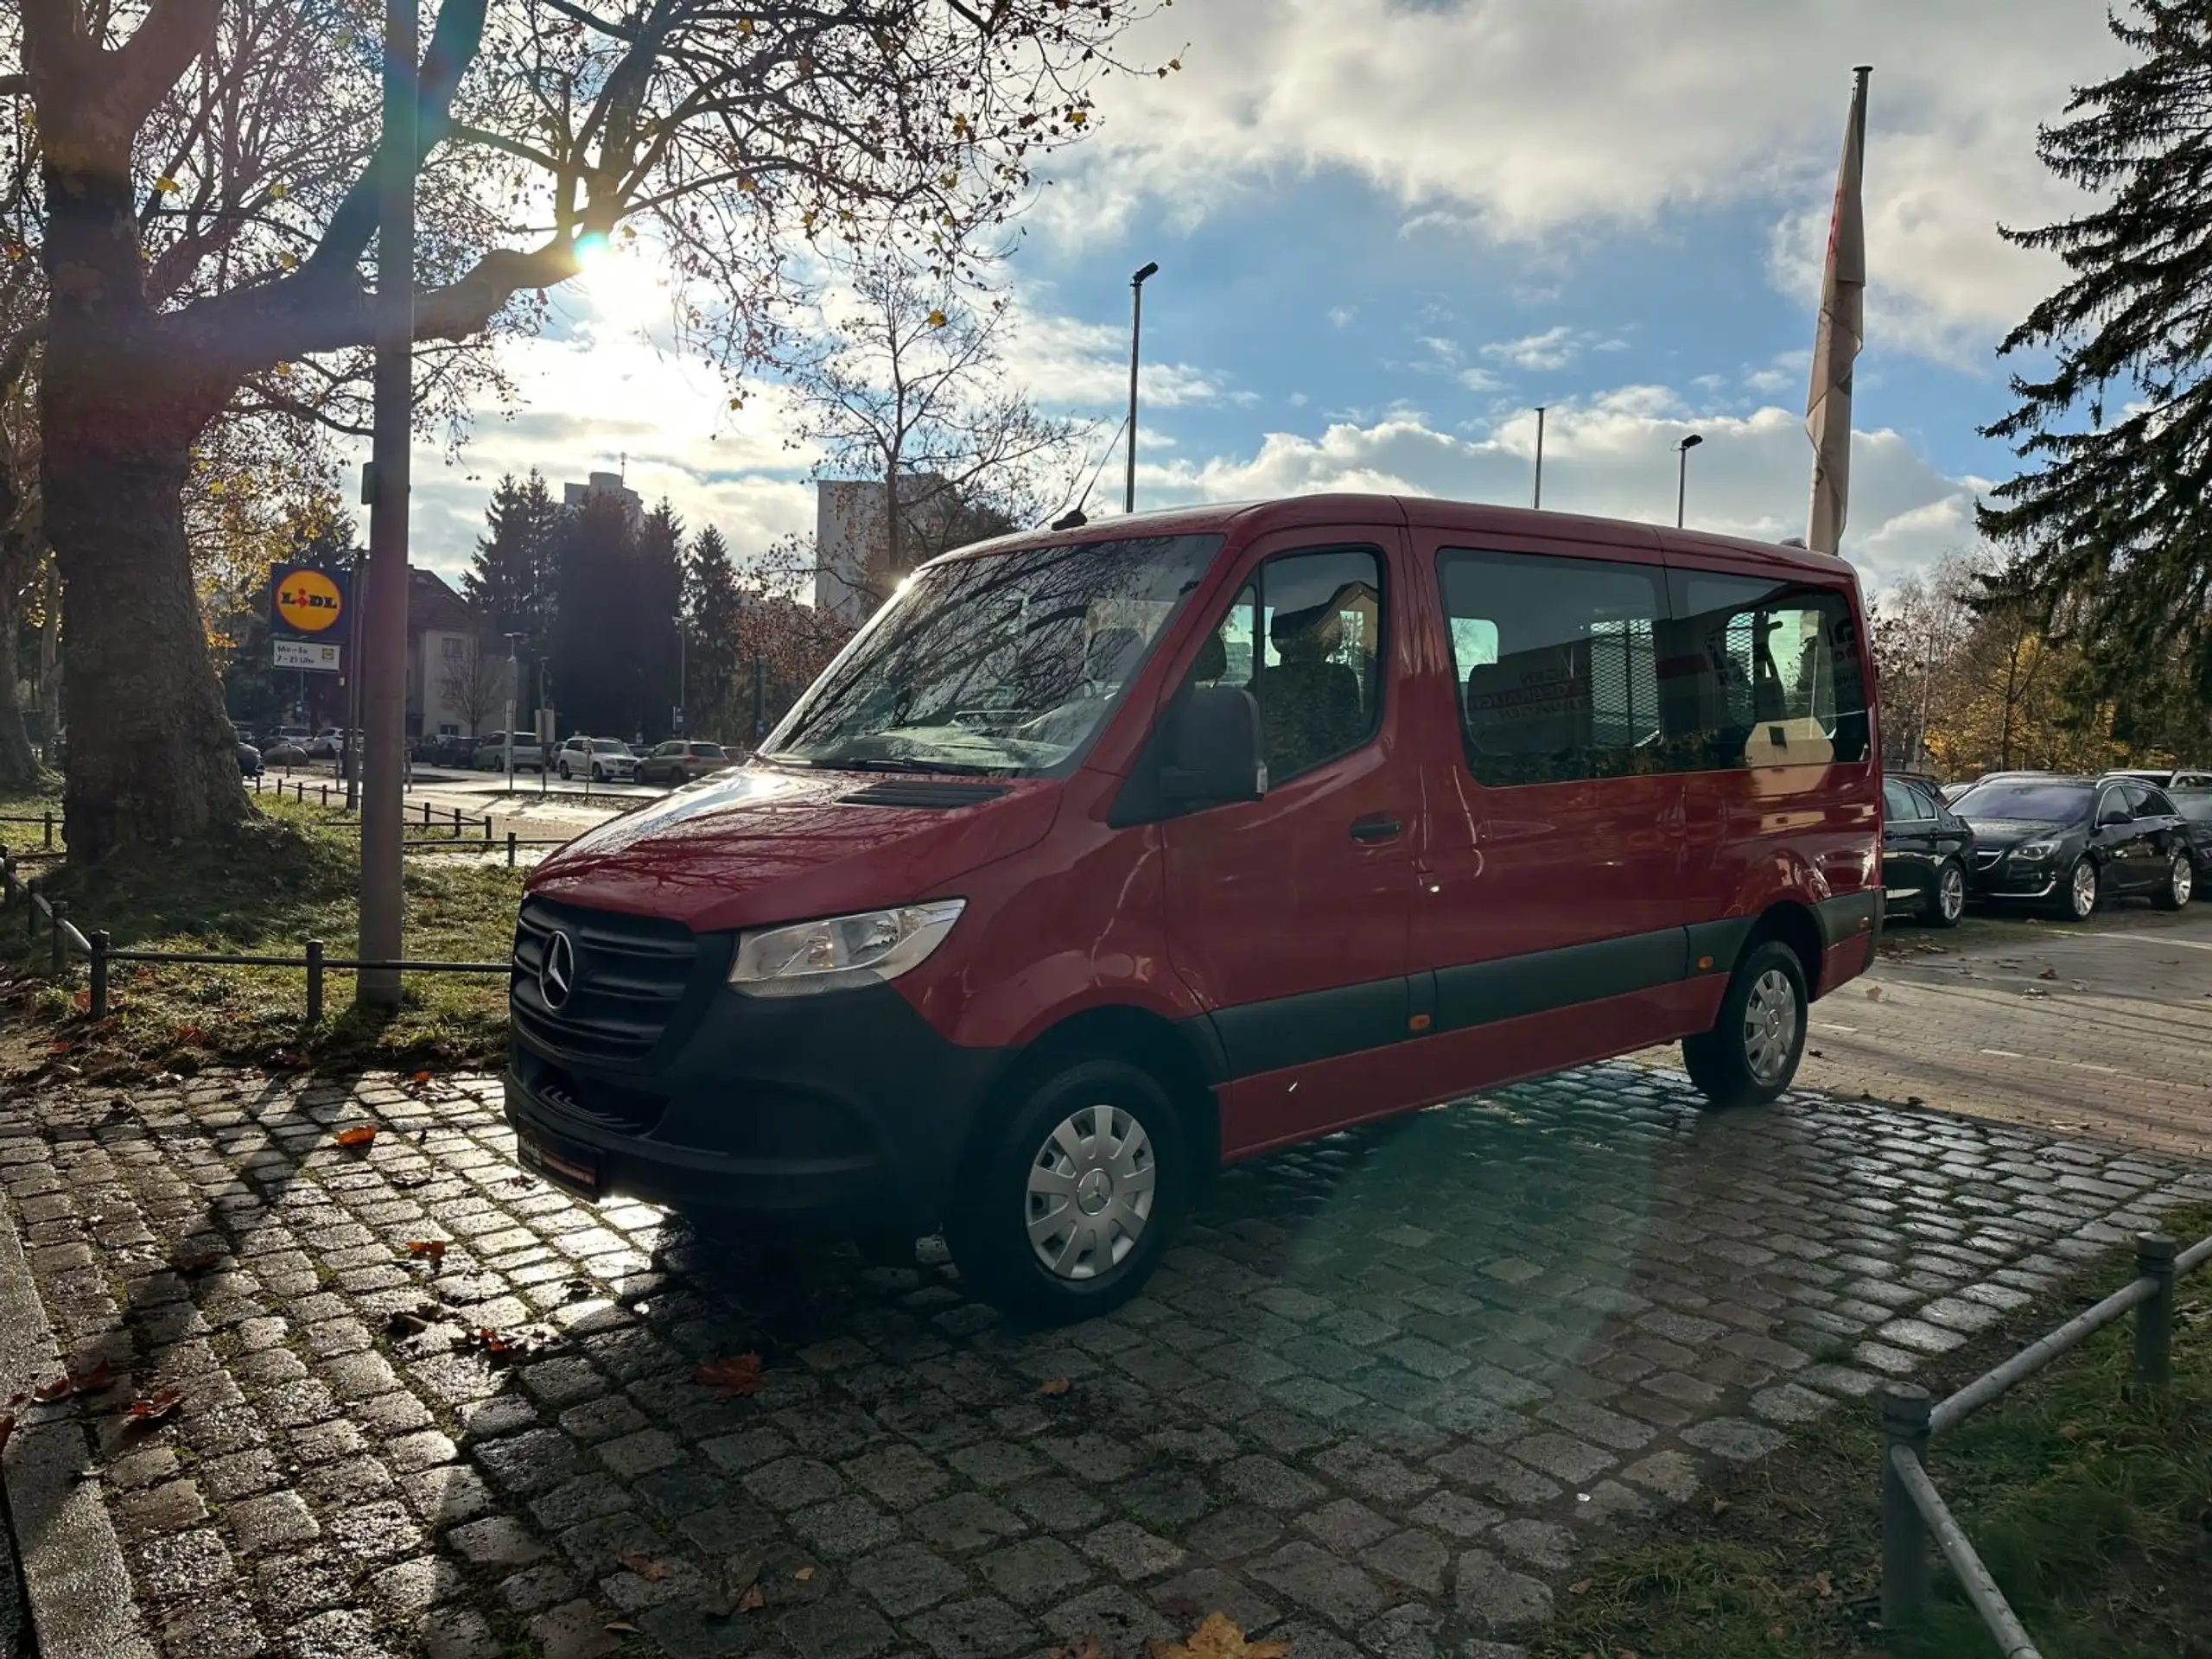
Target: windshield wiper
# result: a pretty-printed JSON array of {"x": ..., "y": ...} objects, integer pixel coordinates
[{"x": 956, "y": 768}]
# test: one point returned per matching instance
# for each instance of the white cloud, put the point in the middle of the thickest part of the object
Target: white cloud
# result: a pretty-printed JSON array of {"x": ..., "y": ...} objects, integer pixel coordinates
[
  {"x": 1546, "y": 352},
  {"x": 1543, "y": 124},
  {"x": 1613, "y": 455}
]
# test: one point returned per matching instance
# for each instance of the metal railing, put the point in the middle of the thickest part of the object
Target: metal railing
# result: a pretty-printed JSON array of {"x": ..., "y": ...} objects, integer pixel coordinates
[{"x": 1912, "y": 1509}]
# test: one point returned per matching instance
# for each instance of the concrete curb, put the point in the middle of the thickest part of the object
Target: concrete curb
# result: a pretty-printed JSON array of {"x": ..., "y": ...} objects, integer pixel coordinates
[{"x": 80, "y": 1591}]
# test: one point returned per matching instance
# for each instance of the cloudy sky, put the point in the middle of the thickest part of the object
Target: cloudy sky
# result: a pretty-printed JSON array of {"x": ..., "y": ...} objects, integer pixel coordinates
[{"x": 1386, "y": 229}]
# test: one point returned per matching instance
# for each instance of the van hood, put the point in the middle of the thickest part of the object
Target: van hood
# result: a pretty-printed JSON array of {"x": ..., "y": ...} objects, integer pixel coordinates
[{"x": 761, "y": 844}]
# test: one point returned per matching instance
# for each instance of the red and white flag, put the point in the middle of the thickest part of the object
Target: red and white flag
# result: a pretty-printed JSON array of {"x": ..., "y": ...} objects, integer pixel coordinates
[{"x": 1842, "y": 332}]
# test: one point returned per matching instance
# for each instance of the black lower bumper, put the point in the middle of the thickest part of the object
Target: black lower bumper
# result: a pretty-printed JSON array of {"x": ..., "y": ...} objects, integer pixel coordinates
[{"x": 843, "y": 1112}]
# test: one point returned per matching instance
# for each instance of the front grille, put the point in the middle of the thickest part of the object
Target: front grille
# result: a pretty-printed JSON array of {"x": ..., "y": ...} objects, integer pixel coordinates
[
  {"x": 632, "y": 1112},
  {"x": 630, "y": 972}
]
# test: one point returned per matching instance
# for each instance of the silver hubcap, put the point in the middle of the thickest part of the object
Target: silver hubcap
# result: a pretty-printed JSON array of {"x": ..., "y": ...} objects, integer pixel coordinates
[
  {"x": 1770, "y": 1025},
  {"x": 2184, "y": 881},
  {"x": 2085, "y": 888},
  {"x": 1952, "y": 895},
  {"x": 1090, "y": 1192}
]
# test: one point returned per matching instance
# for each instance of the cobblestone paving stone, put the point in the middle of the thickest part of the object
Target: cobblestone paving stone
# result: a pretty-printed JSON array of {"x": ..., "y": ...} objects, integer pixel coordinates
[{"x": 1376, "y": 1402}]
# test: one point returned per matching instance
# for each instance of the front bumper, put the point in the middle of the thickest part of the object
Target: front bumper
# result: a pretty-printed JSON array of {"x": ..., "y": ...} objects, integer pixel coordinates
[
  {"x": 842, "y": 1113},
  {"x": 2003, "y": 877}
]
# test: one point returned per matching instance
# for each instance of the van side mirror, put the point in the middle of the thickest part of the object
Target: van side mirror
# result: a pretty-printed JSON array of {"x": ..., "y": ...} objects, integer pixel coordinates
[{"x": 1211, "y": 754}]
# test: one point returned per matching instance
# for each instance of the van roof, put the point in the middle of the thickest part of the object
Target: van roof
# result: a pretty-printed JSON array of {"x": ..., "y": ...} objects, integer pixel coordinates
[{"x": 1422, "y": 511}]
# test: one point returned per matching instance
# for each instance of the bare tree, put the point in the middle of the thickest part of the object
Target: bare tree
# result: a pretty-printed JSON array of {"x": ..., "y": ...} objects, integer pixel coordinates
[
  {"x": 908, "y": 387},
  {"x": 200, "y": 260},
  {"x": 473, "y": 684}
]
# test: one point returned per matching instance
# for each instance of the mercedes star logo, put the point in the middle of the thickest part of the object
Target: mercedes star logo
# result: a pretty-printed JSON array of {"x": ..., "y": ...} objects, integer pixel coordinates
[{"x": 557, "y": 976}]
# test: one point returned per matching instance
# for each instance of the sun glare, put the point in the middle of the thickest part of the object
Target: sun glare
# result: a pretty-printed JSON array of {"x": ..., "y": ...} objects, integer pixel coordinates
[{"x": 622, "y": 285}]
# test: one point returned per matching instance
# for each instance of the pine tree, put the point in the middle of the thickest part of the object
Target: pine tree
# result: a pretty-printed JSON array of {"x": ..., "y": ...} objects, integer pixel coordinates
[
  {"x": 2112, "y": 518},
  {"x": 511, "y": 580},
  {"x": 713, "y": 613}
]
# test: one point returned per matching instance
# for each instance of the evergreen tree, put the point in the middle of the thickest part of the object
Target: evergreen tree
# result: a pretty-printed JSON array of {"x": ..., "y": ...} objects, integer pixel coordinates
[
  {"x": 511, "y": 580},
  {"x": 651, "y": 620},
  {"x": 2112, "y": 517},
  {"x": 713, "y": 613}
]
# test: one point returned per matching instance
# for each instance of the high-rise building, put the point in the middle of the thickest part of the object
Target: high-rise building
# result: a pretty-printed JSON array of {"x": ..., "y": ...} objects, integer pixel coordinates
[
  {"x": 850, "y": 540},
  {"x": 607, "y": 484}
]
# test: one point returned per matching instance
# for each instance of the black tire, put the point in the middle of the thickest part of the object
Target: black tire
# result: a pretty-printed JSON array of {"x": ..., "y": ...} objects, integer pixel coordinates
[
  {"x": 990, "y": 1231},
  {"x": 2180, "y": 886},
  {"x": 564, "y": 771},
  {"x": 597, "y": 775},
  {"x": 2072, "y": 904},
  {"x": 1732, "y": 1065},
  {"x": 1946, "y": 900}
]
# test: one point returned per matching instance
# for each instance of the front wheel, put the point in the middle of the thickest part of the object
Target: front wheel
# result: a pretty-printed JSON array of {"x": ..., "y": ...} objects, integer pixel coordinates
[
  {"x": 1751, "y": 1054},
  {"x": 598, "y": 774},
  {"x": 1070, "y": 1208},
  {"x": 2181, "y": 883},
  {"x": 2078, "y": 897},
  {"x": 1946, "y": 900},
  {"x": 564, "y": 771}
]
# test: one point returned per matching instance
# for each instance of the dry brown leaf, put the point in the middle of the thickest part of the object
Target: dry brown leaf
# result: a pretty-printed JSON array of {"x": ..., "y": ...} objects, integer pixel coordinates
[
  {"x": 74, "y": 1382},
  {"x": 360, "y": 1135},
  {"x": 432, "y": 1250},
  {"x": 643, "y": 1565},
  {"x": 752, "y": 1600},
  {"x": 1218, "y": 1638},
  {"x": 157, "y": 1407},
  {"x": 421, "y": 1077},
  {"x": 736, "y": 1378},
  {"x": 1823, "y": 1586},
  {"x": 1720, "y": 1506},
  {"x": 59, "y": 1389},
  {"x": 1058, "y": 1386},
  {"x": 1579, "y": 1587},
  {"x": 803, "y": 1574}
]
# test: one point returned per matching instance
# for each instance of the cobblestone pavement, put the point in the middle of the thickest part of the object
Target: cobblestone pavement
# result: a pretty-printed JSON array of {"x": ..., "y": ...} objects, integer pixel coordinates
[
  {"x": 1376, "y": 1403},
  {"x": 2099, "y": 1031}
]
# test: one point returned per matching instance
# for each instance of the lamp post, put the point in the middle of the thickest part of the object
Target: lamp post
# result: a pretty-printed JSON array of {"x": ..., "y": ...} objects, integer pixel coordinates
[
  {"x": 513, "y": 685},
  {"x": 1682, "y": 483},
  {"x": 1136, "y": 332},
  {"x": 1539, "y": 500}
]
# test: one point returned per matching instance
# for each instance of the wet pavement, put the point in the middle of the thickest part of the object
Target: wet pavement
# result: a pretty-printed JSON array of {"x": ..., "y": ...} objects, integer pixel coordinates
[{"x": 1382, "y": 1397}]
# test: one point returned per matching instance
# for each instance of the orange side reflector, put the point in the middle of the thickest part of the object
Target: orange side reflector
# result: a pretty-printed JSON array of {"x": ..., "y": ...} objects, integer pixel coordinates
[
  {"x": 1704, "y": 964},
  {"x": 1419, "y": 1022}
]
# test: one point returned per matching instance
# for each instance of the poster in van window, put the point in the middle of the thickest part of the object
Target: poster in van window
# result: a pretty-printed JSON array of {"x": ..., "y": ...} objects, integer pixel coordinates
[{"x": 309, "y": 601}]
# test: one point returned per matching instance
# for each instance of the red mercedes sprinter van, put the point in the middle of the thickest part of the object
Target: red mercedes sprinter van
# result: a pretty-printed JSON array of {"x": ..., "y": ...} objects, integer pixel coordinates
[{"x": 1101, "y": 857}]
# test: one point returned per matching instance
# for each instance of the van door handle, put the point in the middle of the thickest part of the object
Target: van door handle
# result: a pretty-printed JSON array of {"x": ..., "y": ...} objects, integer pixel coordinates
[{"x": 1376, "y": 828}]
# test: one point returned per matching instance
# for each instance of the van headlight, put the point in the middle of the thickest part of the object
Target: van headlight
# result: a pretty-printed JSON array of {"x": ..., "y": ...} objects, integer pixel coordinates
[{"x": 841, "y": 952}]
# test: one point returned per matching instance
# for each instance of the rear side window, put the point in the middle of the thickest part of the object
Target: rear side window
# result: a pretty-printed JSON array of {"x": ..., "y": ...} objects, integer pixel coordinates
[
  {"x": 1305, "y": 637},
  {"x": 1924, "y": 798},
  {"x": 1763, "y": 672},
  {"x": 1898, "y": 804},
  {"x": 1557, "y": 664}
]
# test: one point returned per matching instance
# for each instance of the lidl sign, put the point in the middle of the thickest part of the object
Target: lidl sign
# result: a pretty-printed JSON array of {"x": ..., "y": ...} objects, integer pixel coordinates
[{"x": 308, "y": 602}]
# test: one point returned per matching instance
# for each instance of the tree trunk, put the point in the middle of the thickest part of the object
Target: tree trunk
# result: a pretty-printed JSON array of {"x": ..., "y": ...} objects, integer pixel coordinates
[
  {"x": 151, "y": 759},
  {"x": 19, "y": 767}
]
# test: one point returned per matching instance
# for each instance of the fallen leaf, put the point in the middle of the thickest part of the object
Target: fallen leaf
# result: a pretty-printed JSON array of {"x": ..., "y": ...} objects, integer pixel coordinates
[
  {"x": 643, "y": 1566},
  {"x": 1720, "y": 1506},
  {"x": 752, "y": 1600},
  {"x": 158, "y": 1407},
  {"x": 730, "y": 1379},
  {"x": 1874, "y": 993},
  {"x": 47, "y": 1393},
  {"x": 1823, "y": 1586},
  {"x": 199, "y": 1261},
  {"x": 421, "y": 1077},
  {"x": 1218, "y": 1638},
  {"x": 432, "y": 1250},
  {"x": 2048, "y": 973},
  {"x": 1579, "y": 1587},
  {"x": 803, "y": 1574},
  {"x": 621, "y": 1629},
  {"x": 1088, "y": 1648},
  {"x": 1058, "y": 1386},
  {"x": 361, "y": 1135},
  {"x": 404, "y": 1324}
]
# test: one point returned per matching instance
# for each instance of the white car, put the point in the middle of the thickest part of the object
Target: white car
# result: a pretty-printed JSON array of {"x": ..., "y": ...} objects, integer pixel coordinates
[
  {"x": 603, "y": 760},
  {"x": 491, "y": 753}
]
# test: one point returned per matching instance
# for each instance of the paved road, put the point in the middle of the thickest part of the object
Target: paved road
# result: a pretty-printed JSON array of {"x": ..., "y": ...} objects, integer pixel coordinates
[
  {"x": 1376, "y": 1402},
  {"x": 2103, "y": 1030}
]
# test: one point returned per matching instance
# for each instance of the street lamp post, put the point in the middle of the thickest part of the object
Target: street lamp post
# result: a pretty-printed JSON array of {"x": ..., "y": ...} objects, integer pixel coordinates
[
  {"x": 381, "y": 644},
  {"x": 1682, "y": 482},
  {"x": 1539, "y": 500},
  {"x": 514, "y": 684},
  {"x": 1136, "y": 332}
]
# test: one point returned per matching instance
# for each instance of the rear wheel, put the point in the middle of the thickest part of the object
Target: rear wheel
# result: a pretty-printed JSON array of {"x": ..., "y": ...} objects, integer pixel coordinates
[
  {"x": 1946, "y": 900},
  {"x": 1070, "y": 1208},
  {"x": 2180, "y": 885},
  {"x": 1752, "y": 1053},
  {"x": 2078, "y": 896}
]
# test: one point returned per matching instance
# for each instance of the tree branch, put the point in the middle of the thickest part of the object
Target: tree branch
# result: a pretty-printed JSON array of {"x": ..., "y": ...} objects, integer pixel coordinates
[{"x": 169, "y": 40}]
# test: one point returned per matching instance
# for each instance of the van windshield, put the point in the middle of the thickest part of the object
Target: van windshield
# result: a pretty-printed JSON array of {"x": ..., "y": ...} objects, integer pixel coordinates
[{"x": 1001, "y": 662}]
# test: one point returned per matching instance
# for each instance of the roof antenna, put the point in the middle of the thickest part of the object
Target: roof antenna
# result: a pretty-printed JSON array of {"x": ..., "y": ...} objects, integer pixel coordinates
[{"x": 1074, "y": 517}]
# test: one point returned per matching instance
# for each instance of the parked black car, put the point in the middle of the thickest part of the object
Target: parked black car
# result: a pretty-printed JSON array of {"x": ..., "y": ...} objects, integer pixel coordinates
[
  {"x": 1927, "y": 851},
  {"x": 249, "y": 761},
  {"x": 2195, "y": 806},
  {"x": 2072, "y": 842}
]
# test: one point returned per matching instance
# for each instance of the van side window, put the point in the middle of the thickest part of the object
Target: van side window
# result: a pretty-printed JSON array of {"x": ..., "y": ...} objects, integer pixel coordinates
[
  {"x": 1762, "y": 673},
  {"x": 1557, "y": 664},
  {"x": 1305, "y": 637}
]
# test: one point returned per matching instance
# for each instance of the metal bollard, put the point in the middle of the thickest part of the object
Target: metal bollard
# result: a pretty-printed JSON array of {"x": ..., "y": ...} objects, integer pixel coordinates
[
  {"x": 98, "y": 988},
  {"x": 2154, "y": 1317},
  {"x": 323, "y": 789},
  {"x": 488, "y": 829},
  {"x": 314, "y": 982},
  {"x": 60, "y": 959},
  {"x": 426, "y": 815},
  {"x": 1904, "y": 1535},
  {"x": 456, "y": 823},
  {"x": 511, "y": 849}
]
